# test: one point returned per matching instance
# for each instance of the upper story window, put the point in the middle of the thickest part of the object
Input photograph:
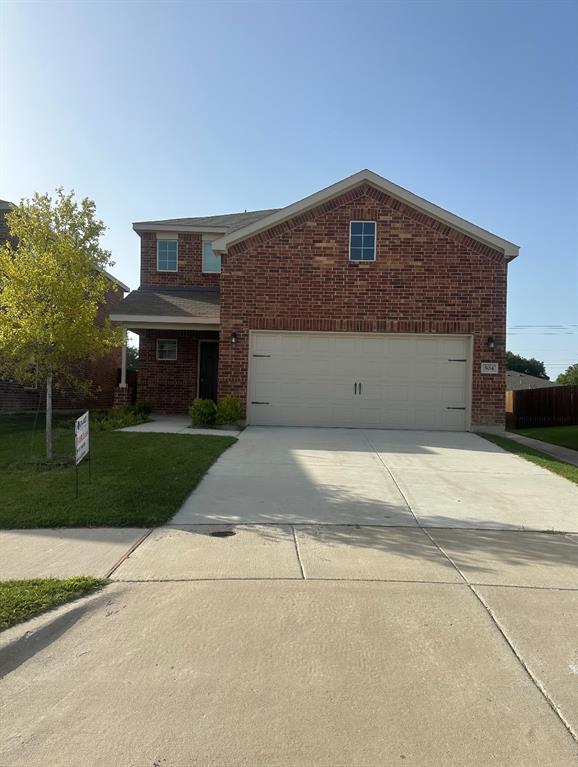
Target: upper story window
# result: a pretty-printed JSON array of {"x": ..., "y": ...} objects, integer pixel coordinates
[
  {"x": 167, "y": 255},
  {"x": 211, "y": 262},
  {"x": 362, "y": 240}
]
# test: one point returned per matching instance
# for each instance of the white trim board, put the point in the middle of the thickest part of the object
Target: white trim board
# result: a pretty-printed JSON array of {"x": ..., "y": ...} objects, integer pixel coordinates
[
  {"x": 176, "y": 228},
  {"x": 116, "y": 281},
  {"x": 136, "y": 324},
  {"x": 163, "y": 320},
  {"x": 509, "y": 249}
]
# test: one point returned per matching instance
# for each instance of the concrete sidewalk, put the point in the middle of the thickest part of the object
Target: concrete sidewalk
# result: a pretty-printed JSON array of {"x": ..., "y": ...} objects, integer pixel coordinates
[
  {"x": 565, "y": 454},
  {"x": 327, "y": 552},
  {"x": 64, "y": 552}
]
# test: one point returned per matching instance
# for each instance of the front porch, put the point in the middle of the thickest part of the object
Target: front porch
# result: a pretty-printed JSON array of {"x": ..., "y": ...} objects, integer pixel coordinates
[{"x": 178, "y": 346}]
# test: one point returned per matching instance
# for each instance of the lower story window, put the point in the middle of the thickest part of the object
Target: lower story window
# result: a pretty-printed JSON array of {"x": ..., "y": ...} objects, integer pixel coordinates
[{"x": 166, "y": 349}]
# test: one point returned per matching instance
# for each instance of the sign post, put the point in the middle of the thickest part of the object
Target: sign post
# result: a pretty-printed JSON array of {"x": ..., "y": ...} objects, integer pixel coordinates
[{"x": 82, "y": 443}]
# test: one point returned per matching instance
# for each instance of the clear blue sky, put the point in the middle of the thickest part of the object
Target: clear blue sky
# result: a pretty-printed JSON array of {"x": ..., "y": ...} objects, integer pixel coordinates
[{"x": 159, "y": 110}]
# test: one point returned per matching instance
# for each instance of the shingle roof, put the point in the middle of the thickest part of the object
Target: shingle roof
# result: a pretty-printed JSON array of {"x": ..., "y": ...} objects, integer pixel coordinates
[
  {"x": 229, "y": 221},
  {"x": 199, "y": 303},
  {"x": 516, "y": 380}
]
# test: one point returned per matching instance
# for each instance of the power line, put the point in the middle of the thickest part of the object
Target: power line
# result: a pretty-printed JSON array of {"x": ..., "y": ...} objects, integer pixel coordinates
[
  {"x": 544, "y": 333},
  {"x": 556, "y": 325}
]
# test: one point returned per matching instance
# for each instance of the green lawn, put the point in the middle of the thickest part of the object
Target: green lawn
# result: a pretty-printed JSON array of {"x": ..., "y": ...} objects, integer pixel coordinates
[
  {"x": 565, "y": 470},
  {"x": 565, "y": 436},
  {"x": 138, "y": 480},
  {"x": 21, "y": 600}
]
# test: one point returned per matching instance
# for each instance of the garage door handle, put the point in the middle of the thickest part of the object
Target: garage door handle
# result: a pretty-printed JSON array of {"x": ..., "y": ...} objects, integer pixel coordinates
[
  {"x": 355, "y": 388},
  {"x": 360, "y": 387}
]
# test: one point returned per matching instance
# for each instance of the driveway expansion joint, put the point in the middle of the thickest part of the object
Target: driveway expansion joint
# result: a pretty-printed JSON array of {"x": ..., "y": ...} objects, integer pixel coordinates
[
  {"x": 298, "y": 552},
  {"x": 127, "y": 554},
  {"x": 534, "y": 680}
]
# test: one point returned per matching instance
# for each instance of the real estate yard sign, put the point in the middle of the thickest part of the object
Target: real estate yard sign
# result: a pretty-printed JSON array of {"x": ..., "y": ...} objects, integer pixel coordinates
[
  {"x": 81, "y": 443},
  {"x": 81, "y": 437}
]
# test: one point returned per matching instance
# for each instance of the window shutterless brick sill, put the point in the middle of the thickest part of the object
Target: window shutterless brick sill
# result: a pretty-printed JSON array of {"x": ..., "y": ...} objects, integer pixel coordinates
[{"x": 361, "y": 263}]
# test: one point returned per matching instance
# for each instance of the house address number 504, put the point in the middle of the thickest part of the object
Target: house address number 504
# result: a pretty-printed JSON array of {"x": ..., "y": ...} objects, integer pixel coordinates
[{"x": 489, "y": 367}]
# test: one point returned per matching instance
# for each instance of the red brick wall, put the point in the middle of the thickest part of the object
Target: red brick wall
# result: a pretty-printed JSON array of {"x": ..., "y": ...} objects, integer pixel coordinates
[
  {"x": 169, "y": 385},
  {"x": 427, "y": 278},
  {"x": 190, "y": 267}
]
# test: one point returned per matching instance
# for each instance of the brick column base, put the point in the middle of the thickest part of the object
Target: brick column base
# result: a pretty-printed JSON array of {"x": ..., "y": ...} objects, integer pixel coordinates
[{"x": 122, "y": 396}]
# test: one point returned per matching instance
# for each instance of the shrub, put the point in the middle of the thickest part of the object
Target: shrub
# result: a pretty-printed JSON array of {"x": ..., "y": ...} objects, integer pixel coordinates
[
  {"x": 118, "y": 418},
  {"x": 229, "y": 410},
  {"x": 203, "y": 412},
  {"x": 142, "y": 407}
]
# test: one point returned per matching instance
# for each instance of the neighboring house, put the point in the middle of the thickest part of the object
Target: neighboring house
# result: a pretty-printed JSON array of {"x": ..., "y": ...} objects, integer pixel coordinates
[
  {"x": 361, "y": 305},
  {"x": 103, "y": 374},
  {"x": 515, "y": 381}
]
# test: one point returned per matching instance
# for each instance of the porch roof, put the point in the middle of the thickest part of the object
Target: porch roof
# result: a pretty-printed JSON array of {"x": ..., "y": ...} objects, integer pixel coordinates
[{"x": 160, "y": 306}]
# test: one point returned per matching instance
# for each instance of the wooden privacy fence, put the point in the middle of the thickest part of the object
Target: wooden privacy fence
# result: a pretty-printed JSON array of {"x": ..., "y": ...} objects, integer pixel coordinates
[{"x": 553, "y": 406}]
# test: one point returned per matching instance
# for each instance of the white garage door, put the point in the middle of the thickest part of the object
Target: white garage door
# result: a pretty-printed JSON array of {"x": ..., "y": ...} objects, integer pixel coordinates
[{"x": 359, "y": 379}]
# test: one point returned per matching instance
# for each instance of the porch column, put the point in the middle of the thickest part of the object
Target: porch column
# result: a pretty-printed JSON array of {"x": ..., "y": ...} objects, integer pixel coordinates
[
  {"x": 123, "y": 363},
  {"x": 122, "y": 393}
]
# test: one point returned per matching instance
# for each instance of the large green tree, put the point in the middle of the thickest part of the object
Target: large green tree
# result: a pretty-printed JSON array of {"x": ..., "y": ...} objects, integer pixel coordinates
[
  {"x": 569, "y": 376},
  {"x": 530, "y": 366},
  {"x": 52, "y": 284}
]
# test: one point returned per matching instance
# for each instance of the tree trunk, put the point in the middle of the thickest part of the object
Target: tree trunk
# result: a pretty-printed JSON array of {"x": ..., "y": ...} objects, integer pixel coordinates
[{"x": 49, "y": 417}]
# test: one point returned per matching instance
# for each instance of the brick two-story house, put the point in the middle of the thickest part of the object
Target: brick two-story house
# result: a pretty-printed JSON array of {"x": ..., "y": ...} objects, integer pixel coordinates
[{"x": 361, "y": 305}]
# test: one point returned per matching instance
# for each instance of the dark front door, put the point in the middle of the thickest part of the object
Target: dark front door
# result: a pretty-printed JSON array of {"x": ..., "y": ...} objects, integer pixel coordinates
[{"x": 208, "y": 364}]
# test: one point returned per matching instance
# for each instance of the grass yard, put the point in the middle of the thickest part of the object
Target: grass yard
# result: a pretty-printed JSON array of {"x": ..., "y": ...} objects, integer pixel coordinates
[
  {"x": 138, "y": 480},
  {"x": 565, "y": 470},
  {"x": 21, "y": 600},
  {"x": 565, "y": 436}
]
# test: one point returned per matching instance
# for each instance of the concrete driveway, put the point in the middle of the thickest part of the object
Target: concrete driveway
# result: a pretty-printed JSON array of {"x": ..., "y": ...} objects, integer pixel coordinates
[
  {"x": 379, "y": 477},
  {"x": 327, "y": 598}
]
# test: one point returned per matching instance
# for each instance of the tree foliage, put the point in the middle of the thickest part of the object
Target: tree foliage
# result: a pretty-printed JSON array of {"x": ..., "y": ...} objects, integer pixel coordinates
[
  {"x": 569, "y": 376},
  {"x": 530, "y": 366},
  {"x": 52, "y": 285}
]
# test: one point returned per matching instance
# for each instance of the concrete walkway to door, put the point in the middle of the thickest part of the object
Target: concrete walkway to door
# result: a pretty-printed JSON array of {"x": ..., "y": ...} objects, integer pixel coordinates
[
  {"x": 176, "y": 424},
  {"x": 278, "y": 475}
]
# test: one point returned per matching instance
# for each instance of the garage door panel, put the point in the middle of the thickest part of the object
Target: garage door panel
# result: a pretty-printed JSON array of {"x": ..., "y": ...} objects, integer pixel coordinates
[{"x": 309, "y": 379}]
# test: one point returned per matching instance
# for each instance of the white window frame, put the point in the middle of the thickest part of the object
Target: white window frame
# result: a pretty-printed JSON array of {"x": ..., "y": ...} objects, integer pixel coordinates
[
  {"x": 164, "y": 238},
  {"x": 167, "y": 359},
  {"x": 208, "y": 271},
  {"x": 364, "y": 260}
]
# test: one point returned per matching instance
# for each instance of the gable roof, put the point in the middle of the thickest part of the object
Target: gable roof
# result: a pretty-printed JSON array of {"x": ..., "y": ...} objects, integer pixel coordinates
[
  {"x": 516, "y": 380},
  {"x": 218, "y": 224},
  {"x": 116, "y": 281},
  {"x": 509, "y": 249}
]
